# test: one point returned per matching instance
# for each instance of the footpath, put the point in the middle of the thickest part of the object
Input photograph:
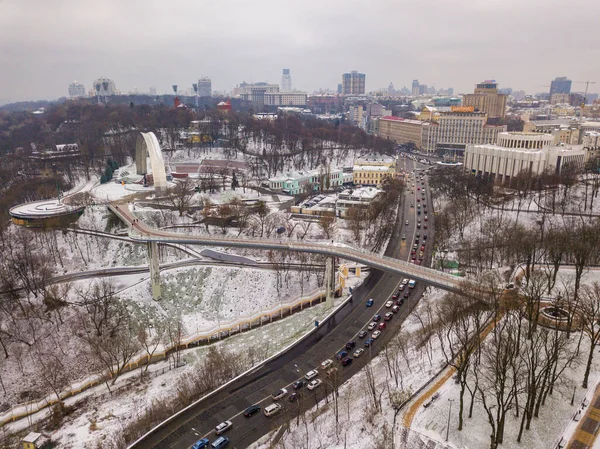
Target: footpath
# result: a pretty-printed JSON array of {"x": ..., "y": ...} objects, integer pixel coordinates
[{"x": 589, "y": 424}]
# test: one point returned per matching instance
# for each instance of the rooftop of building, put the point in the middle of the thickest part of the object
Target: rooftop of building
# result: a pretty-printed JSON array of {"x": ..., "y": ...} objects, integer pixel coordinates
[
  {"x": 374, "y": 157},
  {"x": 360, "y": 193},
  {"x": 382, "y": 168},
  {"x": 404, "y": 120}
]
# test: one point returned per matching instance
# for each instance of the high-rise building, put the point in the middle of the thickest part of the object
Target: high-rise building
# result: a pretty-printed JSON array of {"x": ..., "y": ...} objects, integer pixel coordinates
[
  {"x": 415, "y": 88},
  {"x": 286, "y": 81},
  {"x": 104, "y": 87},
  {"x": 487, "y": 99},
  {"x": 353, "y": 83},
  {"x": 76, "y": 90},
  {"x": 560, "y": 85},
  {"x": 339, "y": 88},
  {"x": 204, "y": 87}
]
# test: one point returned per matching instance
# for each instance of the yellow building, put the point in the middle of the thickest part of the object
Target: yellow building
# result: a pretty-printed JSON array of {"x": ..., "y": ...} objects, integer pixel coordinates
[
  {"x": 373, "y": 169},
  {"x": 401, "y": 130},
  {"x": 487, "y": 99}
]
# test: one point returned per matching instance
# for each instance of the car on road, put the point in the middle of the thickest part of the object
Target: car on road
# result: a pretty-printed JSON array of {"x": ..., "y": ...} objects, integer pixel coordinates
[
  {"x": 201, "y": 444},
  {"x": 376, "y": 317},
  {"x": 418, "y": 212},
  {"x": 368, "y": 342},
  {"x": 407, "y": 294},
  {"x": 372, "y": 325},
  {"x": 425, "y": 226},
  {"x": 406, "y": 223},
  {"x": 424, "y": 236},
  {"x": 376, "y": 335},
  {"x": 299, "y": 384},
  {"x": 403, "y": 236},
  {"x": 388, "y": 316},
  {"x": 422, "y": 247},
  {"x": 311, "y": 374},
  {"x": 396, "y": 295},
  {"x": 418, "y": 225},
  {"x": 272, "y": 409},
  {"x": 279, "y": 394},
  {"x": 293, "y": 397},
  {"x": 389, "y": 304},
  {"x": 404, "y": 281},
  {"x": 346, "y": 361},
  {"x": 326, "y": 363},
  {"x": 382, "y": 325},
  {"x": 340, "y": 355},
  {"x": 251, "y": 410},
  {"x": 358, "y": 352},
  {"x": 362, "y": 334},
  {"x": 425, "y": 218},
  {"x": 369, "y": 303},
  {"x": 396, "y": 309},
  {"x": 225, "y": 425},
  {"x": 350, "y": 344},
  {"x": 314, "y": 384},
  {"x": 220, "y": 443}
]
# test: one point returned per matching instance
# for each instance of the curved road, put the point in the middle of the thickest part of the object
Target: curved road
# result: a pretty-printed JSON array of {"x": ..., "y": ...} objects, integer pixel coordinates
[{"x": 330, "y": 337}]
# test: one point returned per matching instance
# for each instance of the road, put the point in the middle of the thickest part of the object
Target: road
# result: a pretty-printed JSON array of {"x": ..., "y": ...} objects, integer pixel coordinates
[{"x": 257, "y": 387}]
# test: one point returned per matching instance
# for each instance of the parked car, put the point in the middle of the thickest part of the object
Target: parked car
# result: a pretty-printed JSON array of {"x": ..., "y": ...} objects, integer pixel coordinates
[
  {"x": 376, "y": 335},
  {"x": 396, "y": 295},
  {"x": 350, "y": 344},
  {"x": 372, "y": 325},
  {"x": 225, "y": 425},
  {"x": 314, "y": 384},
  {"x": 358, "y": 352},
  {"x": 311, "y": 374},
  {"x": 251, "y": 410},
  {"x": 326, "y": 363},
  {"x": 201, "y": 444},
  {"x": 389, "y": 304},
  {"x": 388, "y": 316},
  {"x": 279, "y": 394},
  {"x": 346, "y": 361},
  {"x": 382, "y": 325},
  {"x": 362, "y": 334},
  {"x": 293, "y": 397},
  {"x": 369, "y": 303},
  {"x": 376, "y": 317},
  {"x": 396, "y": 309},
  {"x": 368, "y": 342},
  {"x": 406, "y": 223},
  {"x": 404, "y": 281},
  {"x": 298, "y": 384}
]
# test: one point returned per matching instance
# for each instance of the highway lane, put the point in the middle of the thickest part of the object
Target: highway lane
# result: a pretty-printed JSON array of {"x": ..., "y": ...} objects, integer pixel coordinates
[{"x": 294, "y": 364}]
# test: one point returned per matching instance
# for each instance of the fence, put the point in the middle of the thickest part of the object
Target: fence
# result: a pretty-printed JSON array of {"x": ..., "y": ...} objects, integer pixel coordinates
[{"x": 223, "y": 330}]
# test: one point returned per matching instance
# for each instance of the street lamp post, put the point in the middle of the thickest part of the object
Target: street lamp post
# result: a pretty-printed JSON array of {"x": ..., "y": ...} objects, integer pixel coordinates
[{"x": 449, "y": 413}]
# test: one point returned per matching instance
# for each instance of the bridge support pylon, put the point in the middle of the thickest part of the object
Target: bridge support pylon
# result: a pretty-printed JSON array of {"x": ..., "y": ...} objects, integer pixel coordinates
[
  {"x": 154, "y": 270},
  {"x": 329, "y": 282}
]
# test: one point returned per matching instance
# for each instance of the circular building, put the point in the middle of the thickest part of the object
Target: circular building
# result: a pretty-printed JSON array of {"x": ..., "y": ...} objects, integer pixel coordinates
[{"x": 45, "y": 214}]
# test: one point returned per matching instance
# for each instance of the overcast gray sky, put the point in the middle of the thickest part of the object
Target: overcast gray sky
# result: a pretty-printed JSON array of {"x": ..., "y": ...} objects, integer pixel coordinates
[{"x": 523, "y": 44}]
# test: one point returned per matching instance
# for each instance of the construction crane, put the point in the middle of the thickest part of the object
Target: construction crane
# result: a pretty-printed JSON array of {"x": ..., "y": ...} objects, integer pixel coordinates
[{"x": 587, "y": 85}]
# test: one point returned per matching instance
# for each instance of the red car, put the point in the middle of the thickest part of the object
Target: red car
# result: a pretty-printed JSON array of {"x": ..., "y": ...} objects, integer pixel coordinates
[
  {"x": 425, "y": 218},
  {"x": 382, "y": 325},
  {"x": 423, "y": 248}
]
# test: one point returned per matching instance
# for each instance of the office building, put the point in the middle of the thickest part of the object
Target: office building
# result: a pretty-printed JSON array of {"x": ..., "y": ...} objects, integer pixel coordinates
[
  {"x": 560, "y": 85},
  {"x": 517, "y": 152},
  {"x": 401, "y": 131},
  {"x": 286, "y": 81},
  {"x": 255, "y": 93},
  {"x": 204, "y": 87},
  {"x": 353, "y": 83},
  {"x": 286, "y": 98},
  {"x": 415, "y": 88},
  {"x": 76, "y": 90},
  {"x": 104, "y": 87},
  {"x": 487, "y": 99},
  {"x": 302, "y": 182}
]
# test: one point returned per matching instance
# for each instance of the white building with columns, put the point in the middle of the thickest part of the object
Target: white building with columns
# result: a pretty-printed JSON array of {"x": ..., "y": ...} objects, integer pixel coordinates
[{"x": 517, "y": 152}]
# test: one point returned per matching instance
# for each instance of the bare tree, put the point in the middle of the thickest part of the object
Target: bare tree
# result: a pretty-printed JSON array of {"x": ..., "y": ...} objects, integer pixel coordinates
[
  {"x": 182, "y": 194},
  {"x": 327, "y": 225},
  {"x": 589, "y": 315}
]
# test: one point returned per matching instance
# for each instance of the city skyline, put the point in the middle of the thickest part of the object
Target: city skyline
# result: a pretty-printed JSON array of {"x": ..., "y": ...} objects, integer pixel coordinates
[{"x": 107, "y": 39}]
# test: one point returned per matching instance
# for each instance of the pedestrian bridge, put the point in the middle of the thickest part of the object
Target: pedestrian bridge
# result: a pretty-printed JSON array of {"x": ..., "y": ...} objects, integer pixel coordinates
[{"x": 144, "y": 233}]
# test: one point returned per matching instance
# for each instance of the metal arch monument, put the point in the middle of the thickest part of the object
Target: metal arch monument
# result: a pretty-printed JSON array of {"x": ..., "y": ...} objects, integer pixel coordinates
[{"x": 147, "y": 142}]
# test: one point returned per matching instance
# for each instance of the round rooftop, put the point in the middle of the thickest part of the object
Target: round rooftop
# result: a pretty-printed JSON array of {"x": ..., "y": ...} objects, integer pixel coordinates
[{"x": 43, "y": 209}]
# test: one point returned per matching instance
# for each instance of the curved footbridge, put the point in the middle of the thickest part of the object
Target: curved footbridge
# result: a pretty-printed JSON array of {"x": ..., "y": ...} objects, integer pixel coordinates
[{"x": 142, "y": 232}]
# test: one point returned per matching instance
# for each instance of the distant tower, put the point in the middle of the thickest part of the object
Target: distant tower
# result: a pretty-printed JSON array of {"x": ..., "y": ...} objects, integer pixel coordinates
[
  {"x": 204, "y": 87},
  {"x": 415, "y": 88},
  {"x": 286, "y": 81}
]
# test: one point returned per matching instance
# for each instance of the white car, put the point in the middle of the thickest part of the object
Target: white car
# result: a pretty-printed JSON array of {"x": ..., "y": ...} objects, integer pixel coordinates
[
  {"x": 372, "y": 326},
  {"x": 326, "y": 363},
  {"x": 314, "y": 384},
  {"x": 223, "y": 427},
  {"x": 279, "y": 394},
  {"x": 389, "y": 304},
  {"x": 311, "y": 374},
  {"x": 358, "y": 352},
  {"x": 375, "y": 335},
  {"x": 404, "y": 281}
]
